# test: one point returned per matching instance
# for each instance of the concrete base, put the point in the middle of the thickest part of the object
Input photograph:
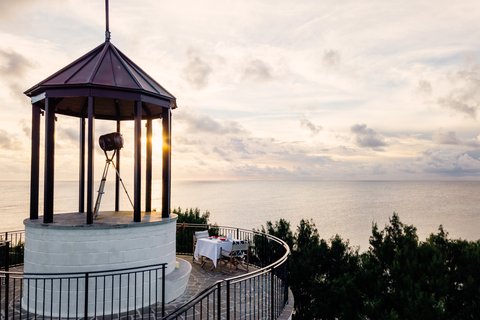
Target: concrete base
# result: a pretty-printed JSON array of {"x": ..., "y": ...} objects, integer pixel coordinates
[
  {"x": 176, "y": 282},
  {"x": 112, "y": 242}
]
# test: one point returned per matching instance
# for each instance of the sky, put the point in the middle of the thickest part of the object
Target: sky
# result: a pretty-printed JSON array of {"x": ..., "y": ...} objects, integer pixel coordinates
[{"x": 270, "y": 89}]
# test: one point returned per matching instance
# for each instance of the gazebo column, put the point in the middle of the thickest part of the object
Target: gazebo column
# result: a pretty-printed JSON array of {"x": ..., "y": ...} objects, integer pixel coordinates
[
  {"x": 137, "y": 162},
  {"x": 148, "y": 172},
  {"x": 166, "y": 161},
  {"x": 90, "y": 153},
  {"x": 117, "y": 178},
  {"x": 81, "y": 171},
  {"x": 35, "y": 162},
  {"x": 49, "y": 161}
]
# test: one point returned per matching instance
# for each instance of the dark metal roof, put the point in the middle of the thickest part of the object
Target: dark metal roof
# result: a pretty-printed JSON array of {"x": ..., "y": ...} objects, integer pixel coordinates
[{"x": 112, "y": 78}]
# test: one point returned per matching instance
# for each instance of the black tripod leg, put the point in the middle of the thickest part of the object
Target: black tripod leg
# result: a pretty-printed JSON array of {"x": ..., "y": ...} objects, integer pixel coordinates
[{"x": 101, "y": 188}]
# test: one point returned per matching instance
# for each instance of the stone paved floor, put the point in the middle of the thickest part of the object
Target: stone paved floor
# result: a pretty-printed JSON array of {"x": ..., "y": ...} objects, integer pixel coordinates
[{"x": 200, "y": 279}]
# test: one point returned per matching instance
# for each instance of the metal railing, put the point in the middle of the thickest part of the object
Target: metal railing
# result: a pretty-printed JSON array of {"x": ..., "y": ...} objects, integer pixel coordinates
[
  {"x": 260, "y": 294},
  {"x": 131, "y": 292}
]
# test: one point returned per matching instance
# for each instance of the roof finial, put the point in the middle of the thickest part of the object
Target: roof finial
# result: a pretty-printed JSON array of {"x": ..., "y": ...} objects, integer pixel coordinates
[{"x": 107, "y": 29}]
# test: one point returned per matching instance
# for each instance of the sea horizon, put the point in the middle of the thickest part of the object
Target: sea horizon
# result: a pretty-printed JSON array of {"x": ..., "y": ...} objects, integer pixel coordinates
[{"x": 346, "y": 208}]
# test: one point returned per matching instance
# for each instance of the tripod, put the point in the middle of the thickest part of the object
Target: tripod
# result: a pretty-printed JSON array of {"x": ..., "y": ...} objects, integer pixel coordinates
[{"x": 109, "y": 161}]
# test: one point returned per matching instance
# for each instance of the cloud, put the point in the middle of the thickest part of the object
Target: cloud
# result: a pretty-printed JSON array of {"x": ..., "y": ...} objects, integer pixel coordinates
[
  {"x": 424, "y": 87},
  {"x": 198, "y": 123},
  {"x": 11, "y": 9},
  {"x": 449, "y": 163},
  {"x": 25, "y": 127},
  {"x": 468, "y": 163},
  {"x": 222, "y": 153},
  {"x": 197, "y": 71},
  {"x": 7, "y": 8},
  {"x": 13, "y": 69},
  {"x": 442, "y": 137},
  {"x": 367, "y": 137},
  {"x": 13, "y": 64},
  {"x": 257, "y": 70},
  {"x": 239, "y": 145},
  {"x": 464, "y": 97},
  {"x": 456, "y": 104},
  {"x": 331, "y": 58},
  {"x": 7, "y": 141},
  {"x": 314, "y": 129},
  {"x": 69, "y": 133}
]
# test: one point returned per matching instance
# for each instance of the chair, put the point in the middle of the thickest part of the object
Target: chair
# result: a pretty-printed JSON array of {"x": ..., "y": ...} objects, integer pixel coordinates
[
  {"x": 199, "y": 235},
  {"x": 237, "y": 256}
]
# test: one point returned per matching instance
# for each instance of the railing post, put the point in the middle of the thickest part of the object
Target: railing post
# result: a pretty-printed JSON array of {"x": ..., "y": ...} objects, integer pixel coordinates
[
  {"x": 7, "y": 277},
  {"x": 272, "y": 296},
  {"x": 7, "y": 289},
  {"x": 86, "y": 296},
  {"x": 7, "y": 254},
  {"x": 163, "y": 291},
  {"x": 285, "y": 282},
  {"x": 264, "y": 249},
  {"x": 228, "y": 299},
  {"x": 219, "y": 300}
]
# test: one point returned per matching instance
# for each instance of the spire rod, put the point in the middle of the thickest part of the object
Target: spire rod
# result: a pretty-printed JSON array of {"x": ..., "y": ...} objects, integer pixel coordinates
[{"x": 107, "y": 29}]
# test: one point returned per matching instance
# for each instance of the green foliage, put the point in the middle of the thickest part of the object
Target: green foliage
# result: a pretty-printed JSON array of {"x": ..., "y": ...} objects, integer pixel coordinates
[
  {"x": 185, "y": 235},
  {"x": 15, "y": 254},
  {"x": 398, "y": 277},
  {"x": 263, "y": 253},
  {"x": 191, "y": 216}
]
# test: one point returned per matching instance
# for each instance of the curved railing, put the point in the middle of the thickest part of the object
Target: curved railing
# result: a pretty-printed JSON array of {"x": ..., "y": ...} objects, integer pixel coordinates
[
  {"x": 259, "y": 294},
  {"x": 120, "y": 293}
]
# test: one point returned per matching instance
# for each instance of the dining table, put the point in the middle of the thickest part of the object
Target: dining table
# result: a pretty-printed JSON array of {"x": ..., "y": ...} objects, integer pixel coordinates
[{"x": 212, "y": 248}]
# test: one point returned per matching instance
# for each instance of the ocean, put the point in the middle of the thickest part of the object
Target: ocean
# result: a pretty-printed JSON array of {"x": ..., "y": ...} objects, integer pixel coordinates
[{"x": 346, "y": 208}]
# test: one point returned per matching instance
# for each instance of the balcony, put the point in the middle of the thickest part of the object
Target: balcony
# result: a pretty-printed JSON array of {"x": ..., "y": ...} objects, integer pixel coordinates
[{"x": 260, "y": 293}]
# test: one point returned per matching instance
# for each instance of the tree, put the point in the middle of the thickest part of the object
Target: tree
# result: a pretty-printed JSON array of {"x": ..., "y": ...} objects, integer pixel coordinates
[{"x": 398, "y": 277}]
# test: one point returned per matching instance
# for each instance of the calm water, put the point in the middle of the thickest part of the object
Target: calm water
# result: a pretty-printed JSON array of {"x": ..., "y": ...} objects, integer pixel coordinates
[{"x": 337, "y": 207}]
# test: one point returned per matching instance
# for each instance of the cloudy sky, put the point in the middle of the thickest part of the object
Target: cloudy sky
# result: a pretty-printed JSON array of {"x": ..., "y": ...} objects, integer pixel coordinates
[{"x": 268, "y": 89}]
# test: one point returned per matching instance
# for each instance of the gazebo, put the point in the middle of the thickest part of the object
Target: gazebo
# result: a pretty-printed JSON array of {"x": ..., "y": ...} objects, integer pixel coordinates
[{"x": 102, "y": 84}]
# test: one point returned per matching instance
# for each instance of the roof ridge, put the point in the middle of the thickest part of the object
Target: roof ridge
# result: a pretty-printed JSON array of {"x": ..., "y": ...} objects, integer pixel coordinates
[
  {"x": 120, "y": 58},
  {"x": 99, "y": 62}
]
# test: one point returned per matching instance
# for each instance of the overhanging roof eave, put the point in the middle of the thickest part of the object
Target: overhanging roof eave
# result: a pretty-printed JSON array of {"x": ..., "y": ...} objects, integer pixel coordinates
[{"x": 101, "y": 91}]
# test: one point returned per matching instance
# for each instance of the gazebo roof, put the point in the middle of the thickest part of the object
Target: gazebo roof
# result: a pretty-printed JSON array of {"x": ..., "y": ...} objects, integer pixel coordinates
[{"x": 111, "y": 78}]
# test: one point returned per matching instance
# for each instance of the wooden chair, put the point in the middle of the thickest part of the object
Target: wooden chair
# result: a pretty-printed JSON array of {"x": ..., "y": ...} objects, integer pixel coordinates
[
  {"x": 199, "y": 235},
  {"x": 237, "y": 256}
]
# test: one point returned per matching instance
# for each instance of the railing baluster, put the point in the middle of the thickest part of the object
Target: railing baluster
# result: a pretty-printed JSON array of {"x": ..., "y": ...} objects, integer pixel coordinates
[
  {"x": 228, "y": 299},
  {"x": 7, "y": 291},
  {"x": 60, "y": 300},
  {"x": 156, "y": 293},
  {"x": 218, "y": 301},
  {"x": 163, "y": 290},
  {"x": 51, "y": 298},
  {"x": 86, "y": 296},
  {"x": 119, "y": 297},
  {"x": 128, "y": 294}
]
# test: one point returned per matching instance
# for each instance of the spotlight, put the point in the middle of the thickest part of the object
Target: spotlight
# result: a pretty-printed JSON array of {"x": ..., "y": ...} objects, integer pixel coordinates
[{"x": 111, "y": 141}]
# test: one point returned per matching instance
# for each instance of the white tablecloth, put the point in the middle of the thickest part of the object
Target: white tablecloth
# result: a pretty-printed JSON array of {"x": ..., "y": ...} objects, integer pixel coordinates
[{"x": 210, "y": 248}]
